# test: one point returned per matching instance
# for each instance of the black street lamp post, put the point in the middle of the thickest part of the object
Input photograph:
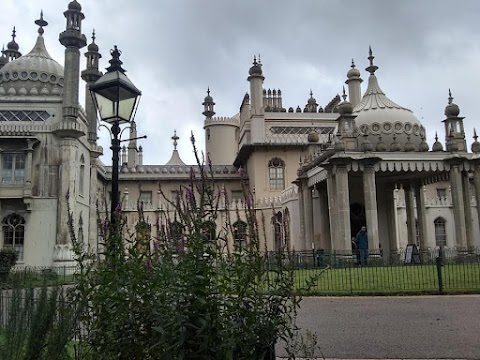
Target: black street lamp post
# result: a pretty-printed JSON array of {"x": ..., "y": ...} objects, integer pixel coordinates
[{"x": 116, "y": 98}]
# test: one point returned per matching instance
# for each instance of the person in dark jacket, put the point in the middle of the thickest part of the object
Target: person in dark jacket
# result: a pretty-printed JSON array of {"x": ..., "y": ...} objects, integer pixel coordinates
[{"x": 362, "y": 243}]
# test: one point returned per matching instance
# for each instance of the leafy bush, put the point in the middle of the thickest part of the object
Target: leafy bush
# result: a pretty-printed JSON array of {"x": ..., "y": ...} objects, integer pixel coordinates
[
  {"x": 189, "y": 296},
  {"x": 8, "y": 259}
]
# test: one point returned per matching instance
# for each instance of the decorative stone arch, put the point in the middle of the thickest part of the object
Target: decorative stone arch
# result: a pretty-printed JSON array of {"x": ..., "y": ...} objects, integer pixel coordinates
[{"x": 13, "y": 226}]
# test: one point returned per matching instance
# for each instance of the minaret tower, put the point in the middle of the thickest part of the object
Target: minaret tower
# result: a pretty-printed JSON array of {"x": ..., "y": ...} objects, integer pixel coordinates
[
  {"x": 12, "y": 52},
  {"x": 208, "y": 105},
  {"x": 347, "y": 129},
  {"x": 454, "y": 132},
  {"x": 3, "y": 58},
  {"x": 132, "y": 156},
  {"x": 257, "y": 124},
  {"x": 353, "y": 81},
  {"x": 69, "y": 129},
  {"x": 90, "y": 75}
]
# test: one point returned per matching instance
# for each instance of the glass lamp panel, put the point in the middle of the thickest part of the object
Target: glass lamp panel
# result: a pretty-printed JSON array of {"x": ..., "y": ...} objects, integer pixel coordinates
[
  {"x": 105, "y": 107},
  {"x": 125, "y": 108}
]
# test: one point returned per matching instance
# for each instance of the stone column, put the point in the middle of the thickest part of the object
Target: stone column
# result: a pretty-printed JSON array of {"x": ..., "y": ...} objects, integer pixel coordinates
[
  {"x": 370, "y": 195},
  {"x": 458, "y": 205},
  {"x": 343, "y": 207},
  {"x": 308, "y": 211},
  {"x": 301, "y": 213},
  {"x": 93, "y": 198},
  {"x": 332, "y": 210},
  {"x": 410, "y": 208},
  {"x": 421, "y": 216},
  {"x": 467, "y": 196},
  {"x": 325, "y": 236},
  {"x": 476, "y": 182}
]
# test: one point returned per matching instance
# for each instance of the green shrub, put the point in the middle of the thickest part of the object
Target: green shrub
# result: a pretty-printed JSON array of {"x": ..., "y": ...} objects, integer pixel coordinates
[
  {"x": 8, "y": 259},
  {"x": 189, "y": 297}
]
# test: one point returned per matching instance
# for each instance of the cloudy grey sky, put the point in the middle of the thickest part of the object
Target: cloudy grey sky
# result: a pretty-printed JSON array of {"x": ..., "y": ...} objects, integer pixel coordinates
[{"x": 174, "y": 49}]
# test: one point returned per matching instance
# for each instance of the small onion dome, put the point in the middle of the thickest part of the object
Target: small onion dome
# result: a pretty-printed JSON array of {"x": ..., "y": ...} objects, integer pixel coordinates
[
  {"x": 475, "y": 144},
  {"x": 93, "y": 47},
  {"x": 12, "y": 45},
  {"x": 339, "y": 146},
  {"x": 298, "y": 110},
  {"x": 256, "y": 69},
  {"x": 311, "y": 100},
  {"x": 409, "y": 146},
  {"x": 74, "y": 5},
  {"x": 451, "y": 110},
  {"x": 313, "y": 137},
  {"x": 345, "y": 108},
  {"x": 437, "y": 145},
  {"x": 353, "y": 72},
  {"x": 395, "y": 145},
  {"x": 208, "y": 98},
  {"x": 3, "y": 58},
  {"x": 423, "y": 147},
  {"x": 381, "y": 146}
]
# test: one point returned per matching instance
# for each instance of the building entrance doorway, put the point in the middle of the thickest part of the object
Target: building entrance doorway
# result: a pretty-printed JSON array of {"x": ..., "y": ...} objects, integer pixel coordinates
[{"x": 357, "y": 218}]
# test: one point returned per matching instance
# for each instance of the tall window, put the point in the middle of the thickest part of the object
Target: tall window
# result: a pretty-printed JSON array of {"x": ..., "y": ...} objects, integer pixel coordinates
[
  {"x": 276, "y": 169},
  {"x": 81, "y": 180},
  {"x": 441, "y": 193},
  {"x": 278, "y": 231},
  {"x": 440, "y": 232},
  {"x": 13, "y": 168},
  {"x": 176, "y": 237},
  {"x": 239, "y": 235},
  {"x": 14, "y": 233}
]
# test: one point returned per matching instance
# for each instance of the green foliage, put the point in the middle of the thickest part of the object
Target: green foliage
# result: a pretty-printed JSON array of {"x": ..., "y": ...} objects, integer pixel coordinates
[
  {"x": 38, "y": 324},
  {"x": 189, "y": 297},
  {"x": 8, "y": 259}
]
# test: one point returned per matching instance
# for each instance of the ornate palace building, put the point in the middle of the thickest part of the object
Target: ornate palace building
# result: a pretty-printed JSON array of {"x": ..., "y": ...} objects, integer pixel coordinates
[{"x": 317, "y": 173}]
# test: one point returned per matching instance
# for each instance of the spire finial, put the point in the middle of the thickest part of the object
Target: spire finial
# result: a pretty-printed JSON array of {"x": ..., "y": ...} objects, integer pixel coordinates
[
  {"x": 311, "y": 93},
  {"x": 259, "y": 61},
  {"x": 255, "y": 60},
  {"x": 115, "y": 62},
  {"x": 41, "y": 23},
  {"x": 93, "y": 35},
  {"x": 14, "y": 34},
  {"x": 353, "y": 64},
  {"x": 372, "y": 68},
  {"x": 344, "y": 96},
  {"x": 436, "y": 136},
  {"x": 208, "y": 90},
  {"x": 175, "y": 138},
  {"x": 475, "y": 137},
  {"x": 450, "y": 98}
]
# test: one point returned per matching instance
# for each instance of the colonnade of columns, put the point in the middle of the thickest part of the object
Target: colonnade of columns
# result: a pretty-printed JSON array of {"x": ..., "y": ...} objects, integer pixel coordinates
[{"x": 334, "y": 205}]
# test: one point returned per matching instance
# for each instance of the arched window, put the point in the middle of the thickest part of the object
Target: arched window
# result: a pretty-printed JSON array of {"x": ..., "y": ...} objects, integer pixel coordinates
[
  {"x": 276, "y": 170},
  {"x": 286, "y": 226},
  {"x": 278, "y": 231},
  {"x": 81, "y": 180},
  {"x": 239, "y": 235},
  {"x": 14, "y": 233},
  {"x": 440, "y": 232}
]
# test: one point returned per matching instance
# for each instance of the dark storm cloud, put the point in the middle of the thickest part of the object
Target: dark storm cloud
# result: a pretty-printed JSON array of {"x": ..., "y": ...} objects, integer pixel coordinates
[{"x": 174, "y": 49}]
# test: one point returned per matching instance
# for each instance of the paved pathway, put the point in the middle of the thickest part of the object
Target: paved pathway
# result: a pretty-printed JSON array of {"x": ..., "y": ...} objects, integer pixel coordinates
[{"x": 424, "y": 327}]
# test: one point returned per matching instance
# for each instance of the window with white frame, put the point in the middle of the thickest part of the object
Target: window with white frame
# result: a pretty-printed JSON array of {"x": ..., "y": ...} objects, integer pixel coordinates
[
  {"x": 14, "y": 233},
  {"x": 13, "y": 168},
  {"x": 440, "y": 232},
  {"x": 276, "y": 171}
]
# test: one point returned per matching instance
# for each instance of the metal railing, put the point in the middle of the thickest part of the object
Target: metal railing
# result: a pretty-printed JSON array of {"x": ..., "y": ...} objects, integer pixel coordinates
[
  {"x": 37, "y": 276},
  {"x": 340, "y": 273}
]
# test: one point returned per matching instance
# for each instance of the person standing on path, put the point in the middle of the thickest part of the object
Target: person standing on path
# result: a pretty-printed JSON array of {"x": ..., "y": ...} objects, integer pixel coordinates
[{"x": 362, "y": 243}]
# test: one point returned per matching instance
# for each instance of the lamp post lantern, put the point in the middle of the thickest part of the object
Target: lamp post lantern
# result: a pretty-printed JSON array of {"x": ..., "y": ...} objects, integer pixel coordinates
[{"x": 115, "y": 98}]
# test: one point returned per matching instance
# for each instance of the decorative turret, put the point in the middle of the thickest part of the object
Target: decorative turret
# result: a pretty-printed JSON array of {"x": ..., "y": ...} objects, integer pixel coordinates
[
  {"x": 311, "y": 104},
  {"x": 256, "y": 87},
  {"x": 175, "y": 158},
  {"x": 90, "y": 75},
  {"x": 454, "y": 132},
  {"x": 12, "y": 52},
  {"x": 3, "y": 58},
  {"x": 437, "y": 145},
  {"x": 132, "y": 156},
  {"x": 208, "y": 105},
  {"x": 475, "y": 144},
  {"x": 73, "y": 40},
  {"x": 347, "y": 129},
  {"x": 272, "y": 100},
  {"x": 423, "y": 147},
  {"x": 354, "y": 88}
]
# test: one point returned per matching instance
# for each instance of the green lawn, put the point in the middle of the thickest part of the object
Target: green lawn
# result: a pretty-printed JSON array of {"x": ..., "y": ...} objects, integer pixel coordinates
[{"x": 461, "y": 278}]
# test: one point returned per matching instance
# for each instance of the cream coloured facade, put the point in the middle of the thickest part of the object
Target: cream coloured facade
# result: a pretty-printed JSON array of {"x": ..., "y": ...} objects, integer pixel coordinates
[{"x": 316, "y": 173}]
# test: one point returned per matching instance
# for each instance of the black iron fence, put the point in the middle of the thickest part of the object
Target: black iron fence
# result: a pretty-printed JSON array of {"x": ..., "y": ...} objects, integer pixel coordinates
[
  {"x": 341, "y": 273},
  {"x": 37, "y": 276}
]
